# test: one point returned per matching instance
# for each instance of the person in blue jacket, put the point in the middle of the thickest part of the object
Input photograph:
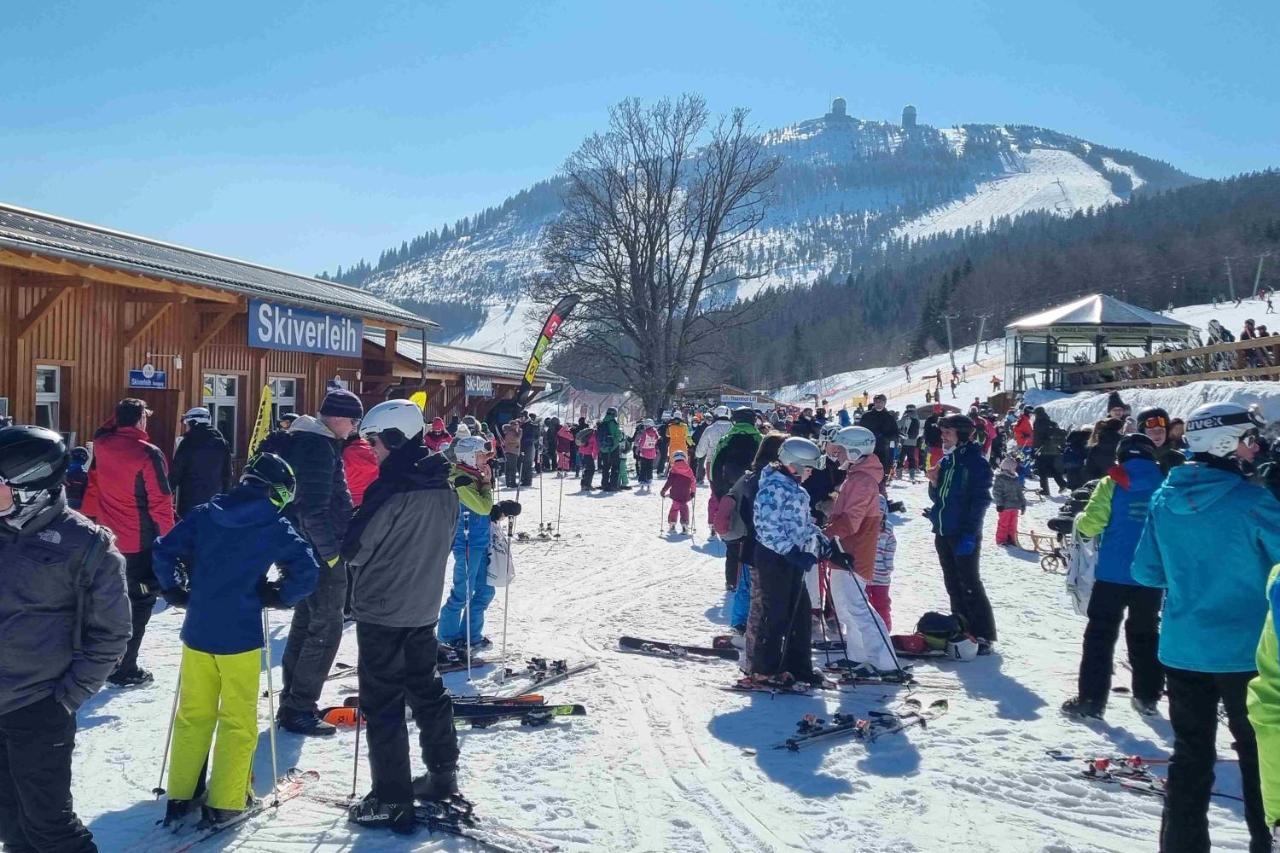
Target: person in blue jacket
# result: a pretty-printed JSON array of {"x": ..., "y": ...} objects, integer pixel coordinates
[
  {"x": 960, "y": 488},
  {"x": 214, "y": 563},
  {"x": 1210, "y": 540},
  {"x": 1116, "y": 512}
]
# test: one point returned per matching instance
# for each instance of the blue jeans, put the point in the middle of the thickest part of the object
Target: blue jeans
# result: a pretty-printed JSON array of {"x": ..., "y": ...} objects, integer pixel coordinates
[
  {"x": 741, "y": 603},
  {"x": 450, "y": 628}
]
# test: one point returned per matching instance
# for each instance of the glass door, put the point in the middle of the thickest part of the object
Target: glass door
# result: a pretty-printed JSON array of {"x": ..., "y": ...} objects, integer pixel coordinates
[
  {"x": 220, "y": 398},
  {"x": 284, "y": 397}
]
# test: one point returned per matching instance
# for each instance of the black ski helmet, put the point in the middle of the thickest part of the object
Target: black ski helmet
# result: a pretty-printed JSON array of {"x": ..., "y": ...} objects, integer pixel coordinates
[
  {"x": 270, "y": 470},
  {"x": 743, "y": 415},
  {"x": 961, "y": 424},
  {"x": 32, "y": 458},
  {"x": 1135, "y": 446}
]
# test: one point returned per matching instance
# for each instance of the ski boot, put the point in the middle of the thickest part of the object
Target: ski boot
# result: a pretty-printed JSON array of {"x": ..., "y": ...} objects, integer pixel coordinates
[
  {"x": 1145, "y": 707},
  {"x": 372, "y": 812},
  {"x": 304, "y": 723},
  {"x": 134, "y": 678},
  {"x": 175, "y": 811},
  {"x": 1082, "y": 709},
  {"x": 671, "y": 529},
  {"x": 437, "y": 785}
]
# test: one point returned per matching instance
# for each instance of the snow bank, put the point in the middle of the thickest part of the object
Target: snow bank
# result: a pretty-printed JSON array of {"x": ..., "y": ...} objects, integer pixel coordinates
[{"x": 1084, "y": 409}]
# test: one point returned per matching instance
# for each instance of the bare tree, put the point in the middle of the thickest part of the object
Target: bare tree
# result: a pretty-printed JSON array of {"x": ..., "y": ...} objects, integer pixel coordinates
[{"x": 657, "y": 210}]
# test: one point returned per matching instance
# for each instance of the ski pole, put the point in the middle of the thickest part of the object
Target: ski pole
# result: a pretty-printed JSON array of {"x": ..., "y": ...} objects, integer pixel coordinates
[
  {"x": 271, "y": 705},
  {"x": 159, "y": 789},
  {"x": 541, "y": 526},
  {"x": 511, "y": 521},
  {"x": 560, "y": 507},
  {"x": 466, "y": 609},
  {"x": 823, "y": 589},
  {"x": 786, "y": 635},
  {"x": 662, "y": 505},
  {"x": 355, "y": 762},
  {"x": 506, "y": 608}
]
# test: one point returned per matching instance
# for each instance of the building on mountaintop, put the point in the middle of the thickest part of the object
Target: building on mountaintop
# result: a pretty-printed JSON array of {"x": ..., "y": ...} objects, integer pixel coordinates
[
  {"x": 839, "y": 109},
  {"x": 908, "y": 117}
]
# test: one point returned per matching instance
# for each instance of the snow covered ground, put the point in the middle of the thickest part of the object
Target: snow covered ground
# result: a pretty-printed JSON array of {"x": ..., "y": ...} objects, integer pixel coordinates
[
  {"x": 1046, "y": 179},
  {"x": 668, "y": 761}
]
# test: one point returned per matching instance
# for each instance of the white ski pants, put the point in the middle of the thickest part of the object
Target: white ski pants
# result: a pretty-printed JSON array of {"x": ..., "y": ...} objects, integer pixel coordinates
[{"x": 865, "y": 636}]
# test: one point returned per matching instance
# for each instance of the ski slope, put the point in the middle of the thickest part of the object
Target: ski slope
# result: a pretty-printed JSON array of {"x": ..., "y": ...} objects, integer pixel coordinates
[{"x": 668, "y": 761}]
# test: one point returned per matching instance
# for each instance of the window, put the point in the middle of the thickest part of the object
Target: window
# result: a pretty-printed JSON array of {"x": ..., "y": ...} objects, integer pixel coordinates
[
  {"x": 48, "y": 397},
  {"x": 284, "y": 397},
  {"x": 220, "y": 398}
]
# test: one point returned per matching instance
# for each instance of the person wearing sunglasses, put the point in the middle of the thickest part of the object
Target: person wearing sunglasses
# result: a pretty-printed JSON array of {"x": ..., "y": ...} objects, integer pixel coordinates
[
  {"x": 1154, "y": 424},
  {"x": 214, "y": 563},
  {"x": 67, "y": 618},
  {"x": 1209, "y": 541}
]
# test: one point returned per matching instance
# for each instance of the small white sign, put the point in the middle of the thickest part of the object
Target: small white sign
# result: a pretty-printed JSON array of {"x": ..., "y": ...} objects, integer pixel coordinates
[{"x": 148, "y": 370}]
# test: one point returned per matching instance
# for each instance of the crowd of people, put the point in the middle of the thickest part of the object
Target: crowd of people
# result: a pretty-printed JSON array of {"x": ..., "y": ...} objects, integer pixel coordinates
[{"x": 335, "y": 514}]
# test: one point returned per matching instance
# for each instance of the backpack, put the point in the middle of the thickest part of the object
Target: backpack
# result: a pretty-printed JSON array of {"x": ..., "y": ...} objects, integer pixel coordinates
[
  {"x": 583, "y": 436},
  {"x": 608, "y": 443},
  {"x": 939, "y": 629},
  {"x": 729, "y": 522},
  {"x": 1082, "y": 559},
  {"x": 502, "y": 568}
]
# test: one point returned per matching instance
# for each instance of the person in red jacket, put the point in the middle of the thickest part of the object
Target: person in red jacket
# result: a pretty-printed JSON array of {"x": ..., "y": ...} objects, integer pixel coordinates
[
  {"x": 680, "y": 487},
  {"x": 1023, "y": 433},
  {"x": 361, "y": 465},
  {"x": 129, "y": 494}
]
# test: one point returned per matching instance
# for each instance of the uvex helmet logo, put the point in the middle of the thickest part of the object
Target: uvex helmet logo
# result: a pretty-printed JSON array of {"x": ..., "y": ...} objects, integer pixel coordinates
[{"x": 1208, "y": 422}]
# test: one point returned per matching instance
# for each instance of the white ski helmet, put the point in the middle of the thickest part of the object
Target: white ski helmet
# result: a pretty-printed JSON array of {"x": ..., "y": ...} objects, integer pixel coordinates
[
  {"x": 857, "y": 441},
  {"x": 198, "y": 415},
  {"x": 1216, "y": 428},
  {"x": 722, "y": 411},
  {"x": 828, "y": 434},
  {"x": 798, "y": 453},
  {"x": 468, "y": 449},
  {"x": 394, "y": 422},
  {"x": 962, "y": 648}
]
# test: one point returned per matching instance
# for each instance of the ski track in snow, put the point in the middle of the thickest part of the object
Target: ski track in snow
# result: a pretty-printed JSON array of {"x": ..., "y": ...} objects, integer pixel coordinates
[{"x": 665, "y": 759}]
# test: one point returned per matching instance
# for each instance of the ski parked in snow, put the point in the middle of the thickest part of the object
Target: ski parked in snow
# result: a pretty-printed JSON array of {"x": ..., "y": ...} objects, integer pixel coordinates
[{"x": 673, "y": 650}]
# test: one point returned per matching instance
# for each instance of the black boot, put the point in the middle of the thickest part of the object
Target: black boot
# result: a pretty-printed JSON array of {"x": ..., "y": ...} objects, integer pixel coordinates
[
  {"x": 176, "y": 810},
  {"x": 304, "y": 723},
  {"x": 436, "y": 785},
  {"x": 372, "y": 812}
]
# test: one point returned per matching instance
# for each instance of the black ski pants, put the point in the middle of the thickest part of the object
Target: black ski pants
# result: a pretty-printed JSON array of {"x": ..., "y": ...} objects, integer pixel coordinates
[
  {"x": 609, "y": 464},
  {"x": 142, "y": 586},
  {"x": 1107, "y": 609},
  {"x": 36, "y": 814},
  {"x": 526, "y": 465},
  {"x": 1193, "y": 711},
  {"x": 588, "y": 470},
  {"x": 963, "y": 580},
  {"x": 397, "y": 666},
  {"x": 1046, "y": 469},
  {"x": 511, "y": 468},
  {"x": 644, "y": 470},
  {"x": 778, "y": 625},
  {"x": 314, "y": 636}
]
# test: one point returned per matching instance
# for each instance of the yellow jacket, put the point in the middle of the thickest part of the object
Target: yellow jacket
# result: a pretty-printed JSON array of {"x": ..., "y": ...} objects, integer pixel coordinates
[{"x": 678, "y": 438}]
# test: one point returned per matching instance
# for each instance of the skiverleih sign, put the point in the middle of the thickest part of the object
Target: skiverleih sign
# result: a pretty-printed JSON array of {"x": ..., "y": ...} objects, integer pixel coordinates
[{"x": 284, "y": 327}]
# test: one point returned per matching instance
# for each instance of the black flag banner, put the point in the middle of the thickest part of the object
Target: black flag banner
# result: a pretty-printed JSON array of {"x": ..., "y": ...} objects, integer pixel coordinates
[{"x": 549, "y": 329}]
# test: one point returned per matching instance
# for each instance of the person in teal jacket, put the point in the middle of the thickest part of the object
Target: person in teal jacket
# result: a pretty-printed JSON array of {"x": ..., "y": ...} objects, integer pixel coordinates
[
  {"x": 1116, "y": 512},
  {"x": 1209, "y": 541},
  {"x": 1264, "y": 707}
]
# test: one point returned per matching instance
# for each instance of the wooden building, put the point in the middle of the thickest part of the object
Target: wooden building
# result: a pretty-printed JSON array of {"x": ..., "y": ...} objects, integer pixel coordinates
[
  {"x": 458, "y": 381},
  {"x": 90, "y": 315}
]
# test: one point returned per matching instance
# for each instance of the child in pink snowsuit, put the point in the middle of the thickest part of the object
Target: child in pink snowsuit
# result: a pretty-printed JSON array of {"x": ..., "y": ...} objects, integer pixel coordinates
[
  {"x": 680, "y": 487},
  {"x": 564, "y": 448},
  {"x": 1010, "y": 499}
]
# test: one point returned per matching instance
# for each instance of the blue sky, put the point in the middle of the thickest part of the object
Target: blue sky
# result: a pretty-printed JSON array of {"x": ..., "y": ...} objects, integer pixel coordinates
[{"x": 307, "y": 135}]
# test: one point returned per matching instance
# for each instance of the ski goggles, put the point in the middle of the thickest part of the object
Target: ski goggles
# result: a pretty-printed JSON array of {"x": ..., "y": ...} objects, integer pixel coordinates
[
  {"x": 1155, "y": 422},
  {"x": 1252, "y": 438}
]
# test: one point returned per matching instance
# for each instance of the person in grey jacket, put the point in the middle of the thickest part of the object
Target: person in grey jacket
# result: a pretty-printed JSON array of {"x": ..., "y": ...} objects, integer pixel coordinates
[
  {"x": 398, "y": 548},
  {"x": 321, "y": 512},
  {"x": 65, "y": 619}
]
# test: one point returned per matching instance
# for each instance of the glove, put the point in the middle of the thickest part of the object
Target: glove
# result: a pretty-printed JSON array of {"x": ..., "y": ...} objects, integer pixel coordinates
[
  {"x": 842, "y": 559},
  {"x": 333, "y": 561},
  {"x": 462, "y": 480},
  {"x": 177, "y": 596},
  {"x": 965, "y": 545},
  {"x": 897, "y": 506},
  {"x": 495, "y": 514},
  {"x": 509, "y": 508},
  {"x": 269, "y": 594},
  {"x": 801, "y": 559}
]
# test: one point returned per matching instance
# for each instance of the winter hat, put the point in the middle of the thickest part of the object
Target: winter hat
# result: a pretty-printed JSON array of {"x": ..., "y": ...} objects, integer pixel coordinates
[
  {"x": 341, "y": 403},
  {"x": 437, "y": 424},
  {"x": 1114, "y": 401},
  {"x": 1155, "y": 418},
  {"x": 463, "y": 431},
  {"x": 1009, "y": 464},
  {"x": 678, "y": 456}
]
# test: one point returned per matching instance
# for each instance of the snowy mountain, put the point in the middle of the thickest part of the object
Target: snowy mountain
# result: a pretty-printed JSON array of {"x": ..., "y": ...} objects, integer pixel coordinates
[{"x": 847, "y": 188}]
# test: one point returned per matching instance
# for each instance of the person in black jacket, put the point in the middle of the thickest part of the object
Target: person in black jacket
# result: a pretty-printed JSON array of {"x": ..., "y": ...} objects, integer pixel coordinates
[
  {"x": 1101, "y": 451},
  {"x": 729, "y": 460},
  {"x": 321, "y": 512},
  {"x": 884, "y": 426},
  {"x": 804, "y": 427},
  {"x": 201, "y": 464},
  {"x": 1047, "y": 439}
]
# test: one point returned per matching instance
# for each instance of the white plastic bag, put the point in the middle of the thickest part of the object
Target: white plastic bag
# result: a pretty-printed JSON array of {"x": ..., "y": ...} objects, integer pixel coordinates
[
  {"x": 1082, "y": 559},
  {"x": 502, "y": 566}
]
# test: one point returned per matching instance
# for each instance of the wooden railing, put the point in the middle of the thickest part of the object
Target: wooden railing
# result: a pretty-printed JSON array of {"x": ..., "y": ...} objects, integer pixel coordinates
[{"x": 1256, "y": 359}]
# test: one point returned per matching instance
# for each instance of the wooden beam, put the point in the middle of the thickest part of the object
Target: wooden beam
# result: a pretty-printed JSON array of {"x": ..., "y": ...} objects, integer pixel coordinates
[
  {"x": 129, "y": 337},
  {"x": 220, "y": 309},
  {"x": 153, "y": 296},
  {"x": 41, "y": 310},
  {"x": 39, "y": 263},
  {"x": 1172, "y": 355},
  {"x": 205, "y": 335},
  {"x": 1245, "y": 374}
]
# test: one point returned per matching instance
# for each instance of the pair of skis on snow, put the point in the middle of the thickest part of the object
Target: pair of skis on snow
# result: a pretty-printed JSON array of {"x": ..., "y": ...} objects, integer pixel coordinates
[
  {"x": 478, "y": 711},
  {"x": 180, "y": 836},
  {"x": 1131, "y": 772},
  {"x": 811, "y": 729}
]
